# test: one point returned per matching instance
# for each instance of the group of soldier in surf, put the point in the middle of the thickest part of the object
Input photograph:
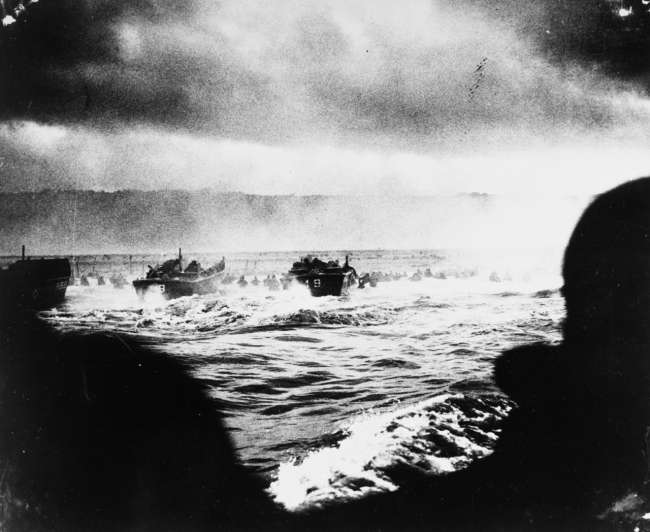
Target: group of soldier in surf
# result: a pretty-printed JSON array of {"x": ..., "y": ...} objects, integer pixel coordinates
[{"x": 272, "y": 281}]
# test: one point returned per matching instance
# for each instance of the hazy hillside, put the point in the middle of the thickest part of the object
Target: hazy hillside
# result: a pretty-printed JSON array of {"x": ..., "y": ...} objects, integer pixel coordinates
[{"x": 86, "y": 221}]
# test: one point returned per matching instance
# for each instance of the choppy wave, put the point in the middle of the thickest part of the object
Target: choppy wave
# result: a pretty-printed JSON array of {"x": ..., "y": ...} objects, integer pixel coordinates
[
  {"x": 356, "y": 317},
  {"x": 436, "y": 436},
  {"x": 212, "y": 314},
  {"x": 181, "y": 316},
  {"x": 292, "y": 372}
]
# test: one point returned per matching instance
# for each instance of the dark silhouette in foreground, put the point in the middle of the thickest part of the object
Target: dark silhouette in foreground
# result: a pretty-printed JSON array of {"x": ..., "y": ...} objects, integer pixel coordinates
[{"x": 101, "y": 433}]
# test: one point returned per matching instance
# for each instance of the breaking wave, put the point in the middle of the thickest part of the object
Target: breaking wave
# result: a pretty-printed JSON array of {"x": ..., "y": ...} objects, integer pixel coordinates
[
  {"x": 435, "y": 436},
  {"x": 357, "y": 317},
  {"x": 183, "y": 316}
]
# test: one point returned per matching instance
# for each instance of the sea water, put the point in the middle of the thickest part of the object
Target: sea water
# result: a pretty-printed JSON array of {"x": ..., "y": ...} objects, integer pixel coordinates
[{"x": 327, "y": 397}]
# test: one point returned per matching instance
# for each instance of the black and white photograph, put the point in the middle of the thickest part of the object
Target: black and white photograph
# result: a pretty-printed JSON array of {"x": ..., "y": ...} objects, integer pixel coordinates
[{"x": 324, "y": 265}]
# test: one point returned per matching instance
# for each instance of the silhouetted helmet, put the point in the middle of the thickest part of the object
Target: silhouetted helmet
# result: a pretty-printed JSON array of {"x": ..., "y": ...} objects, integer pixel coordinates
[{"x": 607, "y": 267}]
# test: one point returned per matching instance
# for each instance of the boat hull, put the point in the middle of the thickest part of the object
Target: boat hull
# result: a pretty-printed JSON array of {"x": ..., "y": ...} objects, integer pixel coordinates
[
  {"x": 174, "y": 288},
  {"x": 327, "y": 284},
  {"x": 34, "y": 284}
]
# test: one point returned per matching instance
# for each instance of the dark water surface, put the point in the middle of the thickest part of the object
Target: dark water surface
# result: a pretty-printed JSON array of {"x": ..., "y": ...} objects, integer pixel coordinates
[{"x": 325, "y": 396}]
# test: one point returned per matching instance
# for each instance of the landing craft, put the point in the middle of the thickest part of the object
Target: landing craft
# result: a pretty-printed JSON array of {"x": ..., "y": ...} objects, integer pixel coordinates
[
  {"x": 173, "y": 281},
  {"x": 324, "y": 278},
  {"x": 34, "y": 283}
]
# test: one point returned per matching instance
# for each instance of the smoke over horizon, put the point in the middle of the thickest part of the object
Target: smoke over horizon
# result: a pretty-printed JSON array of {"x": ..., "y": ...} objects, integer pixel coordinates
[{"x": 161, "y": 221}]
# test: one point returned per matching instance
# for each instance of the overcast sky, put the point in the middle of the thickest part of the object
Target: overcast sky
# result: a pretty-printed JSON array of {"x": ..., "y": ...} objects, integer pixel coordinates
[{"x": 327, "y": 97}]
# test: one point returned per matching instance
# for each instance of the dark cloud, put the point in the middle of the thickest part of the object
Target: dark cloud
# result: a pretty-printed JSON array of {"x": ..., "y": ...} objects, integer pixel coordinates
[
  {"x": 282, "y": 71},
  {"x": 609, "y": 34},
  {"x": 62, "y": 61},
  {"x": 265, "y": 95}
]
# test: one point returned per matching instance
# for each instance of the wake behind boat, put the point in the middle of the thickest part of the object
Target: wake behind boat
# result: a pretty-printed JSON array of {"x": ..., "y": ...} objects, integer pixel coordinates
[{"x": 173, "y": 281}]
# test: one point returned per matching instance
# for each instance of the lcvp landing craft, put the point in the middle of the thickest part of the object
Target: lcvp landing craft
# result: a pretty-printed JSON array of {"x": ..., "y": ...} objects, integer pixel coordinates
[
  {"x": 173, "y": 281},
  {"x": 324, "y": 278},
  {"x": 33, "y": 284}
]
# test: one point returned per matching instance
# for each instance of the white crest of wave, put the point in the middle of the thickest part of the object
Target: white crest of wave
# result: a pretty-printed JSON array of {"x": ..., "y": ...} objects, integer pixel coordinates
[{"x": 373, "y": 442}]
